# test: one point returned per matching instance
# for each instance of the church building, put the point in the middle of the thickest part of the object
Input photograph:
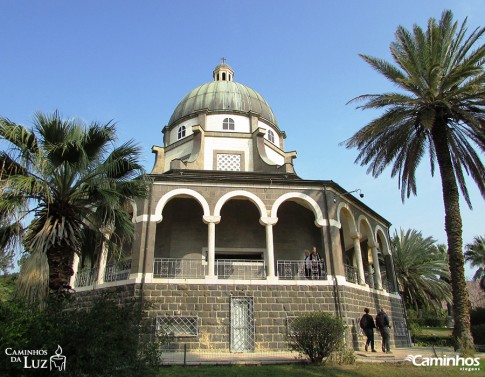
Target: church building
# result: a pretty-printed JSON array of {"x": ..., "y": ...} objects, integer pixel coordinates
[{"x": 224, "y": 246}]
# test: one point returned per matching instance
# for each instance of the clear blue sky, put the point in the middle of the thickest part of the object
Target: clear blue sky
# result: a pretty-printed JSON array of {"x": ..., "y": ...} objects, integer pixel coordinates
[{"x": 133, "y": 61}]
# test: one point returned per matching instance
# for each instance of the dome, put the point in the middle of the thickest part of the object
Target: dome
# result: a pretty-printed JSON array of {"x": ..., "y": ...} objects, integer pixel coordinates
[{"x": 223, "y": 96}]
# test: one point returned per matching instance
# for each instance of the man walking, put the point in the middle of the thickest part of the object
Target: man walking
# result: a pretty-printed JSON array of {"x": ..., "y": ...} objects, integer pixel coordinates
[
  {"x": 368, "y": 326},
  {"x": 382, "y": 322}
]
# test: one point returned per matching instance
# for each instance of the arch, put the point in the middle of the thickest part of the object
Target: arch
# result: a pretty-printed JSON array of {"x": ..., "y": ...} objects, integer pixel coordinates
[
  {"x": 344, "y": 207},
  {"x": 386, "y": 250},
  {"x": 238, "y": 193},
  {"x": 363, "y": 220},
  {"x": 310, "y": 204},
  {"x": 157, "y": 216}
]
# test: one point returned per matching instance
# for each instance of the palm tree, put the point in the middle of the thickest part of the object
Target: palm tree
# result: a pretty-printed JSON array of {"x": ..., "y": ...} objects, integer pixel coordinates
[
  {"x": 421, "y": 270},
  {"x": 439, "y": 110},
  {"x": 475, "y": 255},
  {"x": 74, "y": 182}
]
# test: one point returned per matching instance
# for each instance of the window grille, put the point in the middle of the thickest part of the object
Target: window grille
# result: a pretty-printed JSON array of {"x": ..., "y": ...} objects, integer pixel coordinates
[
  {"x": 242, "y": 324},
  {"x": 228, "y": 162},
  {"x": 177, "y": 326}
]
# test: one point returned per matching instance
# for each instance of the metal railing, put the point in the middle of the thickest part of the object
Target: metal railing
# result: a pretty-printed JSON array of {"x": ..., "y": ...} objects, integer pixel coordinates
[
  {"x": 86, "y": 277},
  {"x": 178, "y": 268},
  {"x": 300, "y": 270},
  {"x": 117, "y": 271},
  {"x": 350, "y": 273},
  {"x": 240, "y": 269}
]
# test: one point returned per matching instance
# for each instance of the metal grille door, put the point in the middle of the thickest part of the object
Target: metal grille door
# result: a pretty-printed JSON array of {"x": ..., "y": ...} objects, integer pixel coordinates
[{"x": 242, "y": 324}]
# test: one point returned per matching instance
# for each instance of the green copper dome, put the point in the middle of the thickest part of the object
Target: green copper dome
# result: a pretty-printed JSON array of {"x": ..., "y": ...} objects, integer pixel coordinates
[{"x": 223, "y": 96}]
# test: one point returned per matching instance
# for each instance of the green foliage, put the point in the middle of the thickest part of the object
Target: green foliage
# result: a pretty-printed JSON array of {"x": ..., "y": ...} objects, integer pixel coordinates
[
  {"x": 421, "y": 270},
  {"x": 73, "y": 179},
  {"x": 7, "y": 286},
  {"x": 428, "y": 318},
  {"x": 475, "y": 255},
  {"x": 478, "y": 332},
  {"x": 317, "y": 335},
  {"x": 342, "y": 356},
  {"x": 106, "y": 340}
]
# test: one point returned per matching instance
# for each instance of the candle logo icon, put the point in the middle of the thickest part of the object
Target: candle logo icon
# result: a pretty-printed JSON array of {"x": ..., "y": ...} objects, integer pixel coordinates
[{"x": 58, "y": 361}]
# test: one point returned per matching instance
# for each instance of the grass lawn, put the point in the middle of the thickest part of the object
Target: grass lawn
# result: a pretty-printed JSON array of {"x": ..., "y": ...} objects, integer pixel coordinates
[{"x": 298, "y": 370}]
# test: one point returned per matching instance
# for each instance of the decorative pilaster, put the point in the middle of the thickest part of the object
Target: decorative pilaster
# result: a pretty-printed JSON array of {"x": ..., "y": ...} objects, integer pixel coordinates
[
  {"x": 268, "y": 222},
  {"x": 211, "y": 222},
  {"x": 358, "y": 258}
]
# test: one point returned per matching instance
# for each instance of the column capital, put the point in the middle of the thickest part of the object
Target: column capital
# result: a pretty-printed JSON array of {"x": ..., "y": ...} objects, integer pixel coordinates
[
  {"x": 211, "y": 219},
  {"x": 268, "y": 220},
  {"x": 372, "y": 243},
  {"x": 355, "y": 235}
]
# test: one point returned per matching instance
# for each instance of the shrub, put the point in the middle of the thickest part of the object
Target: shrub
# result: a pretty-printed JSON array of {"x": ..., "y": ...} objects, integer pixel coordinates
[
  {"x": 102, "y": 341},
  {"x": 317, "y": 335}
]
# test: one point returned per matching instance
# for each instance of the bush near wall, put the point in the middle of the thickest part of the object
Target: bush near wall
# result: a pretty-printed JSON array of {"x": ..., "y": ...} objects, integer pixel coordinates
[
  {"x": 100, "y": 342},
  {"x": 317, "y": 335}
]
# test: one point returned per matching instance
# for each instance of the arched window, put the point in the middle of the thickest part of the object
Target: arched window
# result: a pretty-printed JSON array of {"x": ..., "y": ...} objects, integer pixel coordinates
[
  {"x": 228, "y": 124},
  {"x": 271, "y": 136},
  {"x": 181, "y": 132}
]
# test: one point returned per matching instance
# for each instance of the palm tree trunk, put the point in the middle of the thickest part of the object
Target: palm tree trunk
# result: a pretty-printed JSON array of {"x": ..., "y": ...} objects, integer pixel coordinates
[
  {"x": 453, "y": 227},
  {"x": 60, "y": 267}
]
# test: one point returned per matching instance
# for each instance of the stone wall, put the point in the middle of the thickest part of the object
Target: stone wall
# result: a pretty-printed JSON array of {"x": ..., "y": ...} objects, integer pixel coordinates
[{"x": 273, "y": 306}]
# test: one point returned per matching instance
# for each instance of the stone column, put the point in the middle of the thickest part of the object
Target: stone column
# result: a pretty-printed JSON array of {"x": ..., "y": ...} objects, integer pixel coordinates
[
  {"x": 358, "y": 258},
  {"x": 104, "y": 254},
  {"x": 211, "y": 222},
  {"x": 75, "y": 267},
  {"x": 377, "y": 268},
  {"x": 268, "y": 222}
]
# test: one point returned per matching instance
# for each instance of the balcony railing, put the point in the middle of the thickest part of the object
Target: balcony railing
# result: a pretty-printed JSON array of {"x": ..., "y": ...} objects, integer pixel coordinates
[
  {"x": 86, "y": 277},
  {"x": 240, "y": 269},
  {"x": 179, "y": 268},
  {"x": 350, "y": 273},
  {"x": 117, "y": 271},
  {"x": 300, "y": 270},
  {"x": 113, "y": 272}
]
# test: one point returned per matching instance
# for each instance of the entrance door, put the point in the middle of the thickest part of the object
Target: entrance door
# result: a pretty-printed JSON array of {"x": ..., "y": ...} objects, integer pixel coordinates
[{"x": 242, "y": 324}]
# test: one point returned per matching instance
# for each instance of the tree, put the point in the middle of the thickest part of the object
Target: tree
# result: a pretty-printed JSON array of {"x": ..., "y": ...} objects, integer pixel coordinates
[
  {"x": 421, "y": 270},
  {"x": 74, "y": 182},
  {"x": 439, "y": 110},
  {"x": 475, "y": 255}
]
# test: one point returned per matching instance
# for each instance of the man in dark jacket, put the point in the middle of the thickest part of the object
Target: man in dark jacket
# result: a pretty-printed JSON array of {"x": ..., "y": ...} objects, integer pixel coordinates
[
  {"x": 368, "y": 326},
  {"x": 382, "y": 322}
]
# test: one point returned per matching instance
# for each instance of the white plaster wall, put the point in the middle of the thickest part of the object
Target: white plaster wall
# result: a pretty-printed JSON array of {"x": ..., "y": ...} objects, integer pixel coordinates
[
  {"x": 227, "y": 144},
  {"x": 188, "y": 129},
  {"x": 180, "y": 151},
  {"x": 267, "y": 127},
  {"x": 274, "y": 156},
  {"x": 214, "y": 123}
]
